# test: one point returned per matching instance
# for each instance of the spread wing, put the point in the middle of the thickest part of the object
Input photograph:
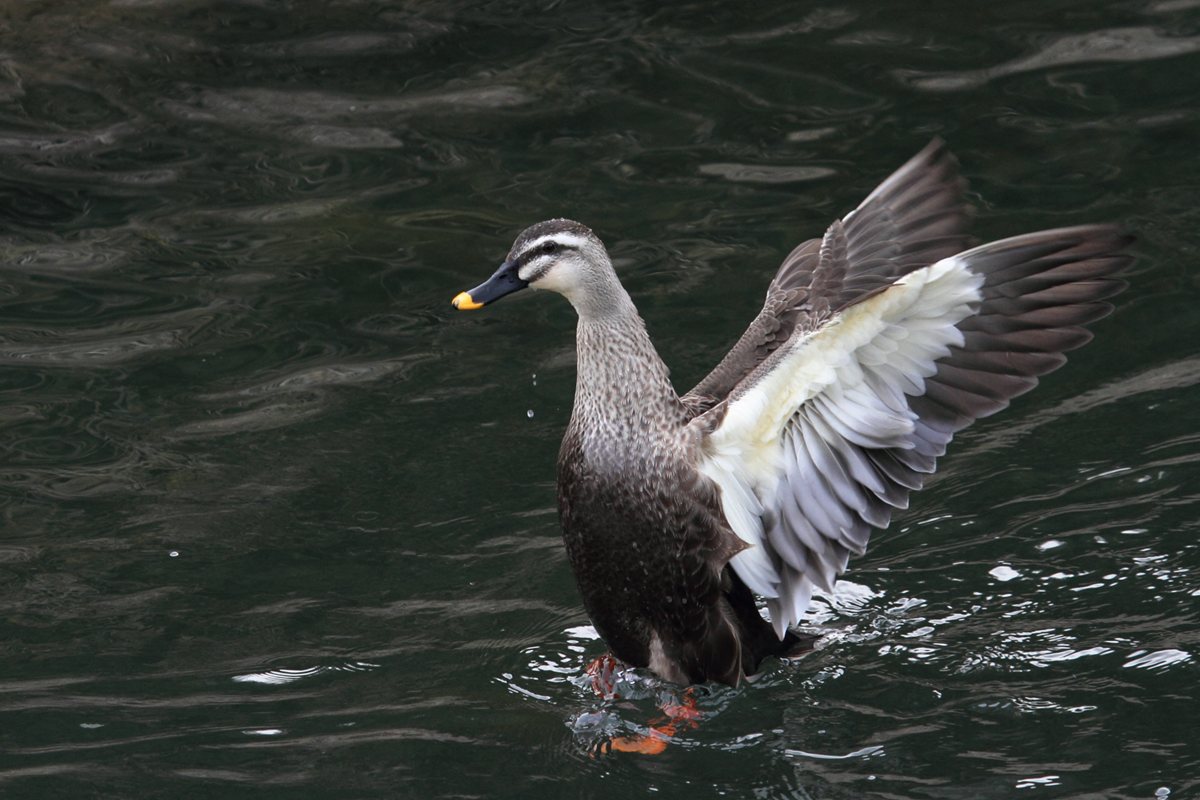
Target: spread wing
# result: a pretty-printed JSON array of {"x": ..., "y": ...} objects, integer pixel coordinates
[
  {"x": 914, "y": 218},
  {"x": 818, "y": 443}
]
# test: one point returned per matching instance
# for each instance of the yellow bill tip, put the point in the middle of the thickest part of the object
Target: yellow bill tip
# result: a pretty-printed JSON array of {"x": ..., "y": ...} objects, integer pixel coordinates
[{"x": 463, "y": 302}]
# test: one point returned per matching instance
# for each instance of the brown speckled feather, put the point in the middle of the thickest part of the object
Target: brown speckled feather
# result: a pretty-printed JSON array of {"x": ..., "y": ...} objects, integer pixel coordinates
[{"x": 644, "y": 530}]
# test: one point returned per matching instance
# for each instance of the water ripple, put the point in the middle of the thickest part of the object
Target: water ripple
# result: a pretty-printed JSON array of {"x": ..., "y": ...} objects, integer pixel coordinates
[
  {"x": 1110, "y": 45},
  {"x": 274, "y": 107},
  {"x": 1157, "y": 660},
  {"x": 764, "y": 173},
  {"x": 107, "y": 345},
  {"x": 89, "y": 255},
  {"x": 281, "y": 675}
]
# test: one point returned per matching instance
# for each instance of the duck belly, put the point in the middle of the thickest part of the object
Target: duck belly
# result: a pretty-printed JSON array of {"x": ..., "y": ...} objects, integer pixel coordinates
[{"x": 639, "y": 548}]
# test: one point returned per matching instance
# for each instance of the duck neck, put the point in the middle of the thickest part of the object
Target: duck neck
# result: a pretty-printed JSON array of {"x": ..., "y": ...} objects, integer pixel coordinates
[{"x": 620, "y": 379}]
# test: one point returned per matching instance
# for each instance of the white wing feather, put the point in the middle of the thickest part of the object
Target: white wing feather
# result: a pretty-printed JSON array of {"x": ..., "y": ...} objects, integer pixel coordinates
[{"x": 794, "y": 482}]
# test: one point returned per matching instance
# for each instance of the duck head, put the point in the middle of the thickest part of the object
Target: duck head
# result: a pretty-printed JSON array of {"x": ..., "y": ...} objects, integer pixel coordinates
[{"x": 559, "y": 255}]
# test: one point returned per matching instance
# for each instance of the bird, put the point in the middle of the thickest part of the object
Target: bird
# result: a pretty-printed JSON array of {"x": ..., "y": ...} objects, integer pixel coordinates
[{"x": 876, "y": 343}]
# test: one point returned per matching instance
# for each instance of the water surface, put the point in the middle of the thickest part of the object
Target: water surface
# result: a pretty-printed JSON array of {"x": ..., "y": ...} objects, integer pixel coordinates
[{"x": 278, "y": 523}]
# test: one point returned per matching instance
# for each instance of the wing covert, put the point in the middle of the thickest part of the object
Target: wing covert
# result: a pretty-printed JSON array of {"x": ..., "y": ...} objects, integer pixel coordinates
[{"x": 914, "y": 218}]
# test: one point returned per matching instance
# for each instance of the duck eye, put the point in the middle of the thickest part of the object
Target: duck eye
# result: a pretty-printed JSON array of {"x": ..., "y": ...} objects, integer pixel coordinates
[{"x": 550, "y": 247}]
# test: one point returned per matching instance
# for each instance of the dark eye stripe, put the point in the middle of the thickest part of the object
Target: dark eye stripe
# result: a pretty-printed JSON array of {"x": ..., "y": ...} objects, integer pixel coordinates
[{"x": 545, "y": 248}]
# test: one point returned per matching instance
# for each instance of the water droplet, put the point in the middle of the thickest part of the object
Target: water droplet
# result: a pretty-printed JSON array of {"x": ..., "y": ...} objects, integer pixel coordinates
[
  {"x": 1162, "y": 792},
  {"x": 529, "y": 413},
  {"x": 174, "y": 554}
]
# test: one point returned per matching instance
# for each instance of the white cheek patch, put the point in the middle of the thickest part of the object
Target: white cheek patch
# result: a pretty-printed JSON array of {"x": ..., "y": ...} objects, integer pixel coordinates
[
  {"x": 559, "y": 277},
  {"x": 528, "y": 272}
]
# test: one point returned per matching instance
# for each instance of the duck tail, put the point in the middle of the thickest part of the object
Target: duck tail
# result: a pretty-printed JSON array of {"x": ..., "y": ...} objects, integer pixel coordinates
[
  {"x": 757, "y": 636},
  {"x": 795, "y": 644}
]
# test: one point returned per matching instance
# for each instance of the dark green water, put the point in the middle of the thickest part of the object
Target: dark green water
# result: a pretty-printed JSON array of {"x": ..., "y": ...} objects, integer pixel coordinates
[{"x": 278, "y": 523}]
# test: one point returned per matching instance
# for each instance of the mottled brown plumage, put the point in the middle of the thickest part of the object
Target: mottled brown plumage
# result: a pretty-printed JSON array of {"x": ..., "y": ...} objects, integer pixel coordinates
[{"x": 876, "y": 343}]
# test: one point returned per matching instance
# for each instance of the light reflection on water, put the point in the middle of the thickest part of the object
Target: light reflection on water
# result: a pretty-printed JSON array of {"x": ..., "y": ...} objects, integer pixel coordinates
[{"x": 898, "y": 631}]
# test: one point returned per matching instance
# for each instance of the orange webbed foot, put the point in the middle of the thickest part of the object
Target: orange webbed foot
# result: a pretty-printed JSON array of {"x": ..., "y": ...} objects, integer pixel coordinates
[
  {"x": 684, "y": 715},
  {"x": 647, "y": 745},
  {"x": 604, "y": 675}
]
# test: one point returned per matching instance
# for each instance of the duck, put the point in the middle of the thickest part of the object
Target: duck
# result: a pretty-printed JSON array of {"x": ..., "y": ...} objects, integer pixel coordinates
[{"x": 876, "y": 343}]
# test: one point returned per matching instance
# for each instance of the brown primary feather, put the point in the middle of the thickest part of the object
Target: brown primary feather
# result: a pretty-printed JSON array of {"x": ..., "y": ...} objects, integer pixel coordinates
[
  {"x": 914, "y": 218},
  {"x": 1038, "y": 290}
]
